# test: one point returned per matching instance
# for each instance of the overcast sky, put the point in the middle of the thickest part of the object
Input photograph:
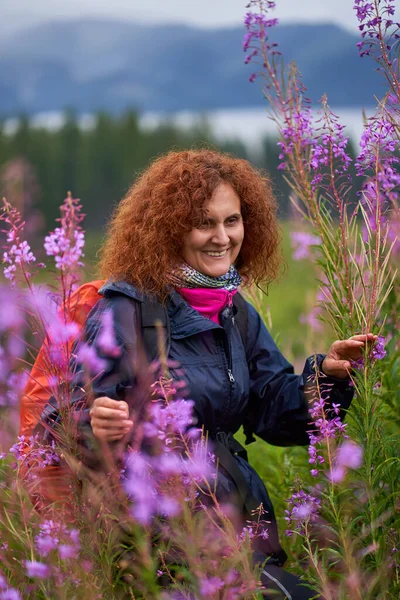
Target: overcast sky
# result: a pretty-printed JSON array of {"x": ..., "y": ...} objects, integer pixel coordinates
[{"x": 16, "y": 14}]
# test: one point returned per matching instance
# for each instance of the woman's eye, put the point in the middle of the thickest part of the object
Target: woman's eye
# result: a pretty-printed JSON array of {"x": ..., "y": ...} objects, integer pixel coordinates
[
  {"x": 203, "y": 225},
  {"x": 233, "y": 221}
]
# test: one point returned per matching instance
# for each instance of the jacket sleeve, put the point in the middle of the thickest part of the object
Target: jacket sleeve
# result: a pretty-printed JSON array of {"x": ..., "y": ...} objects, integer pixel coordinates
[
  {"x": 278, "y": 404},
  {"x": 117, "y": 375}
]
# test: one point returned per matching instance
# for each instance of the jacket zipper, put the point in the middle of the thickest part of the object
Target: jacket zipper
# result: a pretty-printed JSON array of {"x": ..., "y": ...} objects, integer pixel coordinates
[
  {"x": 227, "y": 354},
  {"x": 230, "y": 306}
]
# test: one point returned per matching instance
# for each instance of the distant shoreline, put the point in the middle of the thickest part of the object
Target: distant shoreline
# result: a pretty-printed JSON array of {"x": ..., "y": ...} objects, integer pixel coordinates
[{"x": 249, "y": 125}]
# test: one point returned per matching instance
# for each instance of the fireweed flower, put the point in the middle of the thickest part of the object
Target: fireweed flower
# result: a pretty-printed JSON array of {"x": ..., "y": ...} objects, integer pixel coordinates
[
  {"x": 378, "y": 139},
  {"x": 17, "y": 252},
  {"x": 148, "y": 477},
  {"x": 37, "y": 569},
  {"x": 312, "y": 319},
  {"x": 326, "y": 427},
  {"x": 10, "y": 594},
  {"x": 66, "y": 242},
  {"x": 256, "y": 42},
  {"x": 301, "y": 243},
  {"x": 175, "y": 417},
  {"x": 106, "y": 341},
  {"x": 378, "y": 161},
  {"x": 378, "y": 352},
  {"x": 296, "y": 131},
  {"x": 210, "y": 586},
  {"x": 303, "y": 508},
  {"x": 56, "y": 536},
  {"x": 374, "y": 18},
  {"x": 348, "y": 456},
  {"x": 39, "y": 454}
]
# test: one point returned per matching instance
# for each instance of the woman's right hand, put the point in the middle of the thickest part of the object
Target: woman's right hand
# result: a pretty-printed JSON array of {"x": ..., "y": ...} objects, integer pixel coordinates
[{"x": 110, "y": 419}]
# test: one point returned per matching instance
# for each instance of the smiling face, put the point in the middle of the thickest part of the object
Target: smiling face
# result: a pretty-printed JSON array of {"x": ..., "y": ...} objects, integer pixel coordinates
[{"x": 214, "y": 245}]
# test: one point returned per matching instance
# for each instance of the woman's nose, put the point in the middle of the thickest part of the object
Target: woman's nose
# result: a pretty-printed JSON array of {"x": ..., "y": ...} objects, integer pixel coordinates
[{"x": 220, "y": 236}]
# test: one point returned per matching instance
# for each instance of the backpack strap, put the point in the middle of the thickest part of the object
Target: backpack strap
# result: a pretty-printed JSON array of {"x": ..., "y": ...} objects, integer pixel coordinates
[
  {"x": 153, "y": 315},
  {"x": 241, "y": 317}
]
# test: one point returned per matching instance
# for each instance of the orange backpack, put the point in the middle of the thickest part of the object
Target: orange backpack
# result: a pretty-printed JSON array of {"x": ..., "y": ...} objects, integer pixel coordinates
[{"x": 37, "y": 390}]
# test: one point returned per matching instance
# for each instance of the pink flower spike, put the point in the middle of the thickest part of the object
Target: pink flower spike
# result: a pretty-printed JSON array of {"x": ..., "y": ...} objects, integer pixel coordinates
[
  {"x": 37, "y": 569},
  {"x": 106, "y": 339},
  {"x": 349, "y": 455}
]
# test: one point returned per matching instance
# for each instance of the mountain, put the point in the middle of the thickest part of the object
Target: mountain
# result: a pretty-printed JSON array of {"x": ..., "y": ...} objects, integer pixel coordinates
[{"x": 112, "y": 65}]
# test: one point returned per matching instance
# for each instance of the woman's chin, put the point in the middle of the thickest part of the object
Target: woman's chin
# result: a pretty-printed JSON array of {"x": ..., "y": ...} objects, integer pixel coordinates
[{"x": 216, "y": 270}]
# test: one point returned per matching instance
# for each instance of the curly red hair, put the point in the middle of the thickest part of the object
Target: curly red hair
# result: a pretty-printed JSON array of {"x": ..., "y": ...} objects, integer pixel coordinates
[{"x": 144, "y": 237}]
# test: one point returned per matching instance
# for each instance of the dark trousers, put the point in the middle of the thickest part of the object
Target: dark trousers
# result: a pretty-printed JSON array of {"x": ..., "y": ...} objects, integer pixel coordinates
[{"x": 281, "y": 585}]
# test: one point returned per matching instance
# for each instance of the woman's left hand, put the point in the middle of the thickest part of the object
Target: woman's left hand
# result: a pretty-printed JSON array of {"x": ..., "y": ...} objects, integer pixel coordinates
[{"x": 337, "y": 362}]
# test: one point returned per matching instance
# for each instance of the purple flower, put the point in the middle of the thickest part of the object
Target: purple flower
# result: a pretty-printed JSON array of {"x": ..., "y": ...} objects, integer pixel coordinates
[
  {"x": 337, "y": 474},
  {"x": 256, "y": 36},
  {"x": 168, "y": 506},
  {"x": 66, "y": 242},
  {"x": 66, "y": 551},
  {"x": 55, "y": 535},
  {"x": 18, "y": 251},
  {"x": 312, "y": 319},
  {"x": 349, "y": 455},
  {"x": 210, "y": 586},
  {"x": 87, "y": 355},
  {"x": 374, "y": 18},
  {"x": 176, "y": 417},
  {"x": 45, "y": 544},
  {"x": 10, "y": 594},
  {"x": 302, "y": 508},
  {"x": 37, "y": 569},
  {"x": 378, "y": 351},
  {"x": 106, "y": 338},
  {"x": 301, "y": 242}
]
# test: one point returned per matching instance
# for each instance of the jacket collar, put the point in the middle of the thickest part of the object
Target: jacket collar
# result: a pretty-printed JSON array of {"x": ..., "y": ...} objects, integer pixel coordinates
[
  {"x": 121, "y": 287},
  {"x": 184, "y": 320}
]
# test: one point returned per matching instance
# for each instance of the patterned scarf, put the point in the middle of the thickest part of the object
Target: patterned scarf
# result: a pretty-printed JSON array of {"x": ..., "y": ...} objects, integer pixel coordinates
[{"x": 187, "y": 277}]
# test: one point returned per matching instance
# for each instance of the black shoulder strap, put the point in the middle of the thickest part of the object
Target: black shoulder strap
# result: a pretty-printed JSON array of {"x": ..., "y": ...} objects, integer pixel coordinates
[
  {"x": 241, "y": 316},
  {"x": 153, "y": 314},
  {"x": 242, "y": 323}
]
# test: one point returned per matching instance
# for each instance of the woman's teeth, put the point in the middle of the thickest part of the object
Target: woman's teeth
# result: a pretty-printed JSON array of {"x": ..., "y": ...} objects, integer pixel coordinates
[{"x": 217, "y": 253}]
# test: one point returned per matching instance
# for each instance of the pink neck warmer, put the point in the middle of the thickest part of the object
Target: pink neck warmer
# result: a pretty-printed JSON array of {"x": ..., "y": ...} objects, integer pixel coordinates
[{"x": 207, "y": 301}]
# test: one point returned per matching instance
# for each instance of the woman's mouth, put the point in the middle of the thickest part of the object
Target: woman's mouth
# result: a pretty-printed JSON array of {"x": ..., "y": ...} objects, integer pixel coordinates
[{"x": 216, "y": 254}]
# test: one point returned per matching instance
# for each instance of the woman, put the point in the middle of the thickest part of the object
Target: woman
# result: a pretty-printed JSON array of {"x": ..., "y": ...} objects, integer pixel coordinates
[{"x": 194, "y": 227}]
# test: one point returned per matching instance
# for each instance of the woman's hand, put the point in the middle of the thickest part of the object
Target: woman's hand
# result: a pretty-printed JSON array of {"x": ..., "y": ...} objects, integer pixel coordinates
[
  {"x": 337, "y": 362},
  {"x": 110, "y": 419}
]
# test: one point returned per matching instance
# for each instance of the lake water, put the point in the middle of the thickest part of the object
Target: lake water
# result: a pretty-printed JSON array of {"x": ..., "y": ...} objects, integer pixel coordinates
[{"x": 249, "y": 125}]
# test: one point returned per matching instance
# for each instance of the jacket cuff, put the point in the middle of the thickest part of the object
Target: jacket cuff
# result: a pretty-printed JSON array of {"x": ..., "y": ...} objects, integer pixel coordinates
[{"x": 346, "y": 382}]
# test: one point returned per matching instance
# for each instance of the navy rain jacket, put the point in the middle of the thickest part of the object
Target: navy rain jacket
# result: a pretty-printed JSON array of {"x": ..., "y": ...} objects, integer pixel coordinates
[{"x": 231, "y": 385}]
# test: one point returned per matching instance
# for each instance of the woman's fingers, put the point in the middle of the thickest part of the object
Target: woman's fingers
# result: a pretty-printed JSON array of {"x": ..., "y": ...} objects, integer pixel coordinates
[
  {"x": 107, "y": 413},
  {"x": 352, "y": 348},
  {"x": 105, "y": 402},
  {"x": 108, "y": 432},
  {"x": 110, "y": 419},
  {"x": 117, "y": 425},
  {"x": 108, "y": 436},
  {"x": 364, "y": 337}
]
